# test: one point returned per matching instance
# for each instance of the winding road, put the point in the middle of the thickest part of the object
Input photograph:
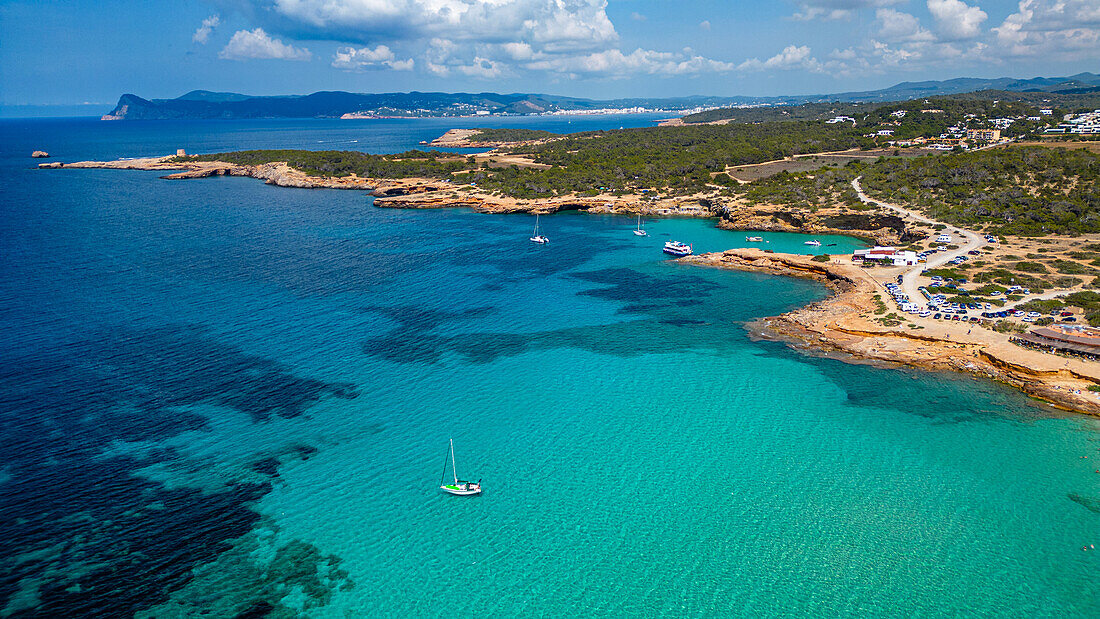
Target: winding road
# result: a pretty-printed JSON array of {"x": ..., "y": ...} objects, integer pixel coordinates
[
  {"x": 909, "y": 283},
  {"x": 974, "y": 240}
]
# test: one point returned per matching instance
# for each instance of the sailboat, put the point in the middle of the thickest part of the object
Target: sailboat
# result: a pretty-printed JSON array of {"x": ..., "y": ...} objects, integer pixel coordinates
[
  {"x": 459, "y": 487},
  {"x": 536, "y": 237},
  {"x": 639, "y": 231}
]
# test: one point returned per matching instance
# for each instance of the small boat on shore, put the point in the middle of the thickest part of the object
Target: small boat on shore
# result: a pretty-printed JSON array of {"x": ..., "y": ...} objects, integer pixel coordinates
[
  {"x": 676, "y": 248},
  {"x": 459, "y": 487},
  {"x": 754, "y": 239},
  {"x": 815, "y": 243},
  {"x": 536, "y": 237}
]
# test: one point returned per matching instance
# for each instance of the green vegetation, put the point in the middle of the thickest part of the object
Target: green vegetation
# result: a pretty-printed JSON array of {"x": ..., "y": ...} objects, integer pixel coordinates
[
  {"x": 677, "y": 160},
  {"x": 333, "y": 163},
  {"x": 1031, "y": 267},
  {"x": 506, "y": 134},
  {"x": 1028, "y": 191},
  {"x": 1043, "y": 306},
  {"x": 1071, "y": 268},
  {"x": 1089, "y": 301},
  {"x": 821, "y": 258}
]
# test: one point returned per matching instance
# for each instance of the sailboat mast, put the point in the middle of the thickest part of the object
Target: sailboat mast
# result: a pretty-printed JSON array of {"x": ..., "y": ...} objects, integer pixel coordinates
[{"x": 454, "y": 466}]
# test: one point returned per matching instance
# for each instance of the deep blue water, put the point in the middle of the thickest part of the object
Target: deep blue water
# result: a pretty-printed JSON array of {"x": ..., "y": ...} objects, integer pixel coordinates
[{"x": 222, "y": 397}]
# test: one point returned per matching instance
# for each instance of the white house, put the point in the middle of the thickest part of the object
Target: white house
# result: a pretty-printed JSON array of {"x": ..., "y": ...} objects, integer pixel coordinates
[
  {"x": 890, "y": 255},
  {"x": 885, "y": 132},
  {"x": 943, "y": 238}
]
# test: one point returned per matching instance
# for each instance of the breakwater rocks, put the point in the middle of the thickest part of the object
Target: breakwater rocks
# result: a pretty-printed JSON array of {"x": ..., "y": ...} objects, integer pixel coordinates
[{"x": 845, "y": 323}]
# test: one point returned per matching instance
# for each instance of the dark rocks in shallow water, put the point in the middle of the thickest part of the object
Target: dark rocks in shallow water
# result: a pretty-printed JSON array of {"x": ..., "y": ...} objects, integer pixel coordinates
[
  {"x": 267, "y": 466},
  {"x": 253, "y": 577},
  {"x": 109, "y": 541},
  {"x": 258, "y": 610},
  {"x": 1090, "y": 503}
]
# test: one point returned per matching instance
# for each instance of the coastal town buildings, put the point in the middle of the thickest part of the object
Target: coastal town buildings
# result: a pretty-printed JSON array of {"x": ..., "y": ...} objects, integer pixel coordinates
[
  {"x": 983, "y": 135},
  {"x": 1081, "y": 124}
]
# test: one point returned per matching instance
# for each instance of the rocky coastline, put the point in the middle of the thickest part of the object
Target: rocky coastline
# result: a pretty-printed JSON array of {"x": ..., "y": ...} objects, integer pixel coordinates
[
  {"x": 277, "y": 173},
  {"x": 840, "y": 324},
  {"x": 421, "y": 193}
]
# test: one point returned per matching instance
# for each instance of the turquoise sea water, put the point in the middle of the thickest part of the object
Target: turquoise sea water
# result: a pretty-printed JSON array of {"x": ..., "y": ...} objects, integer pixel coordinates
[{"x": 220, "y": 397}]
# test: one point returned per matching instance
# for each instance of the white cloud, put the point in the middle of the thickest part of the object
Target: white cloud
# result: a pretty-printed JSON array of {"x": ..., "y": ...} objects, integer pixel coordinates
[
  {"x": 1062, "y": 30},
  {"x": 613, "y": 63},
  {"x": 350, "y": 58},
  {"x": 250, "y": 44},
  {"x": 550, "y": 24},
  {"x": 482, "y": 68},
  {"x": 705, "y": 24},
  {"x": 792, "y": 57},
  {"x": 202, "y": 35},
  {"x": 837, "y": 9},
  {"x": 518, "y": 50},
  {"x": 899, "y": 26},
  {"x": 956, "y": 19},
  {"x": 636, "y": 16}
]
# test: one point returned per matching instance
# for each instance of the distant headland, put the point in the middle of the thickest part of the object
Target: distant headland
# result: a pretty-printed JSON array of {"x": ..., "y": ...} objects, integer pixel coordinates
[{"x": 203, "y": 104}]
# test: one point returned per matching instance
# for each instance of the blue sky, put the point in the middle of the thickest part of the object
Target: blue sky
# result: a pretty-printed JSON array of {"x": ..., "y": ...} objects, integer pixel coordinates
[{"x": 69, "y": 52}]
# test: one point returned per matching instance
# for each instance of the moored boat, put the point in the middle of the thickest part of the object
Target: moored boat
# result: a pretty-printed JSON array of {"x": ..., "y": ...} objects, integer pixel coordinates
[
  {"x": 536, "y": 237},
  {"x": 459, "y": 487},
  {"x": 676, "y": 248},
  {"x": 754, "y": 239},
  {"x": 815, "y": 243}
]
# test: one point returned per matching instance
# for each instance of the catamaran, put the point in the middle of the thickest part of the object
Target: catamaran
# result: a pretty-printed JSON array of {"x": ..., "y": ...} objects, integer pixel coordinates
[
  {"x": 459, "y": 487},
  {"x": 536, "y": 237},
  {"x": 676, "y": 248},
  {"x": 639, "y": 231}
]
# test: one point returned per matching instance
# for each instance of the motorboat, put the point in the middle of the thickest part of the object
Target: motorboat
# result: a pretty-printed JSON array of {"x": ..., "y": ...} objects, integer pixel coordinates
[{"x": 676, "y": 248}]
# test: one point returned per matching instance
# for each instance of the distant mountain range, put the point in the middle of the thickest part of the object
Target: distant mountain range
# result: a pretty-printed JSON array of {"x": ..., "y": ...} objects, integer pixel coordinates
[{"x": 334, "y": 104}]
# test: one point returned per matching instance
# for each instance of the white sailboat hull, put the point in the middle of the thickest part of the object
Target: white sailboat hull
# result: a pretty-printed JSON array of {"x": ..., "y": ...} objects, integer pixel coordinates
[{"x": 461, "y": 489}]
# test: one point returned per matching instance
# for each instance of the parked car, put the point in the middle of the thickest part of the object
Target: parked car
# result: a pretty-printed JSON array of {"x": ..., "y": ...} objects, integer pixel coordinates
[
  {"x": 937, "y": 315},
  {"x": 1069, "y": 319}
]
